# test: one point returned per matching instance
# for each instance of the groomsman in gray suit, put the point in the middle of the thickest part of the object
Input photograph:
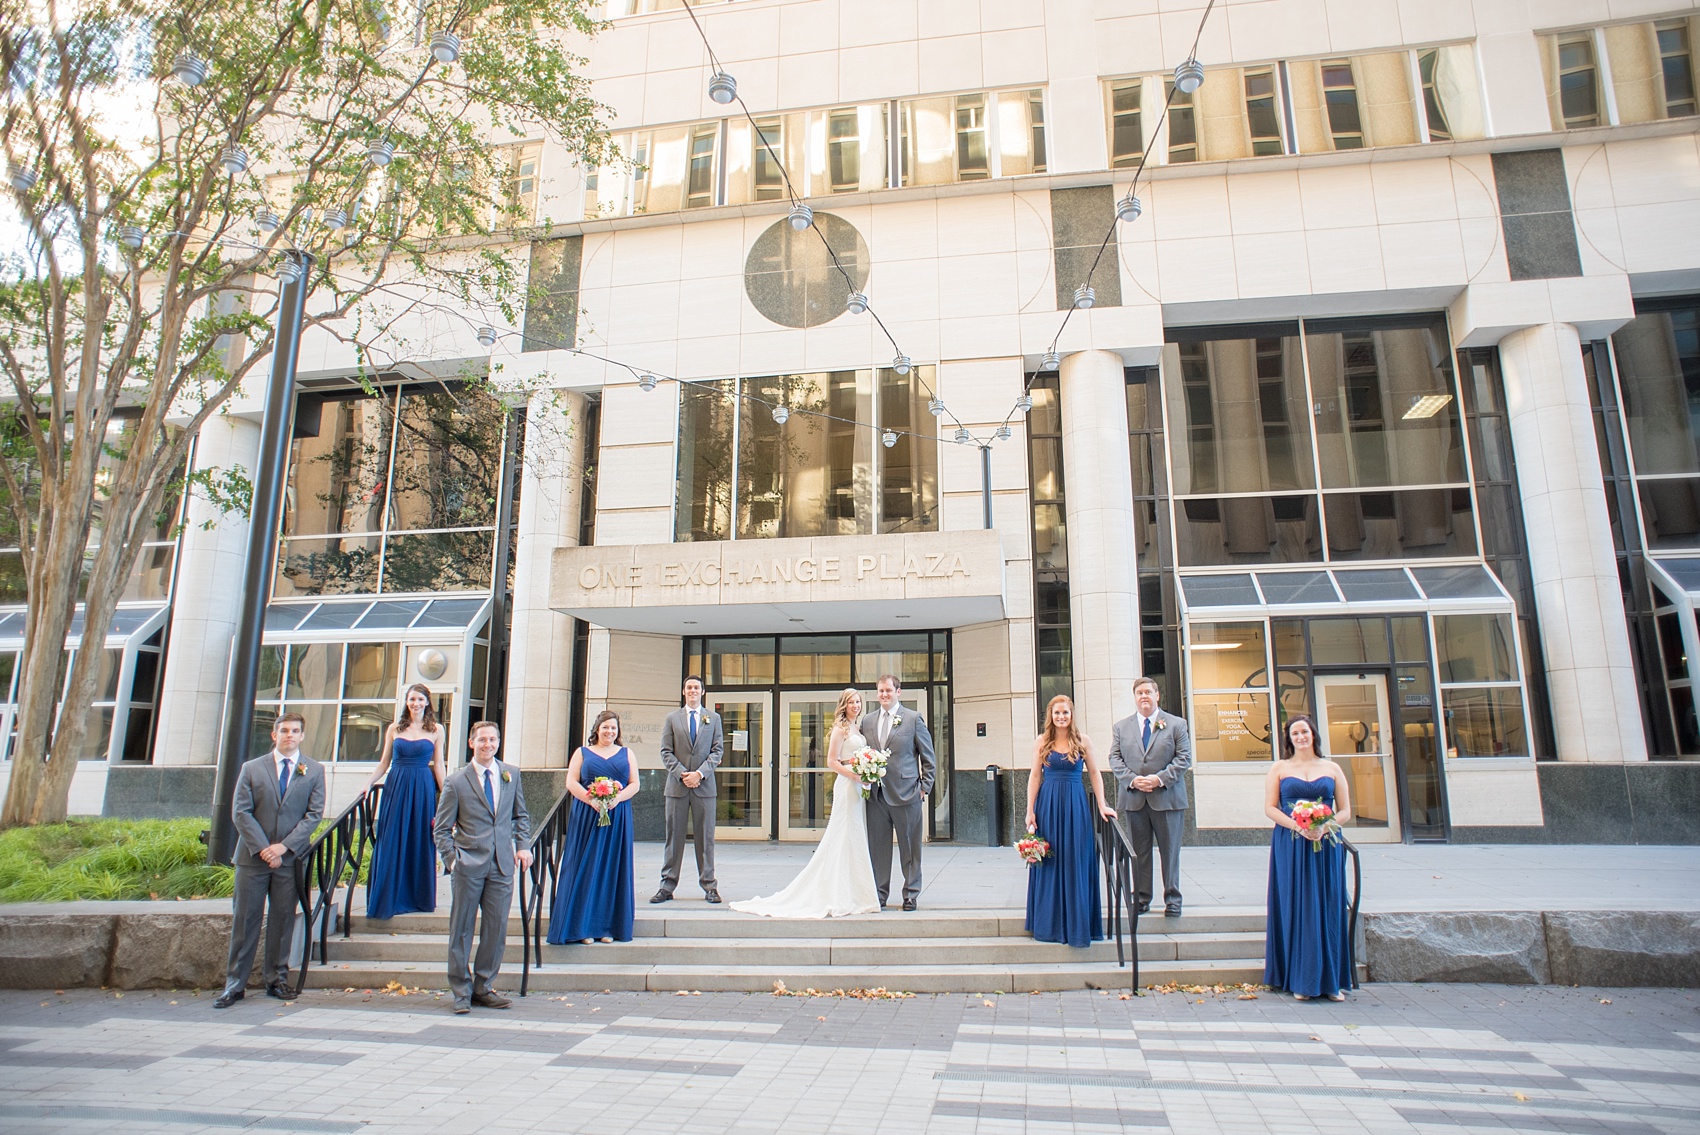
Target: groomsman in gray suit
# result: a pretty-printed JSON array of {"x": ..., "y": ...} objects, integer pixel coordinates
[
  {"x": 691, "y": 747},
  {"x": 1149, "y": 756},
  {"x": 899, "y": 801},
  {"x": 279, "y": 799},
  {"x": 483, "y": 832}
]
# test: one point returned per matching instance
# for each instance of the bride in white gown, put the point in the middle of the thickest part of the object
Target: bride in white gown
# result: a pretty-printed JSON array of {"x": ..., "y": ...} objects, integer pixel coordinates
[{"x": 839, "y": 877}]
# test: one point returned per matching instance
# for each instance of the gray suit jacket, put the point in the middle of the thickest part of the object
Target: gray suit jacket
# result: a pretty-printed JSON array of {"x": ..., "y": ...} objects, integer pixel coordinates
[
  {"x": 262, "y": 818},
  {"x": 910, "y": 771},
  {"x": 469, "y": 836},
  {"x": 1168, "y": 759},
  {"x": 680, "y": 756}
]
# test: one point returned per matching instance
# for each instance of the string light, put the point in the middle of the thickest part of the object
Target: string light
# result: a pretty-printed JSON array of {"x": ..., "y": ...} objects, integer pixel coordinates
[
  {"x": 267, "y": 221},
  {"x": 131, "y": 236},
  {"x": 901, "y": 364},
  {"x": 801, "y": 216},
  {"x": 189, "y": 69},
  {"x": 646, "y": 382},
  {"x": 1189, "y": 76},
  {"x": 445, "y": 46},
  {"x": 289, "y": 271},
  {"x": 935, "y": 407},
  {"x": 487, "y": 337},
  {"x": 1004, "y": 432},
  {"x": 21, "y": 177},
  {"x": 1024, "y": 402},
  {"x": 781, "y": 415},
  {"x": 1051, "y": 361},
  {"x": 722, "y": 88},
  {"x": 335, "y": 219},
  {"x": 857, "y": 304},
  {"x": 888, "y": 438},
  {"x": 962, "y": 435},
  {"x": 234, "y": 160},
  {"x": 1084, "y": 296},
  {"x": 381, "y": 152},
  {"x": 1129, "y": 208}
]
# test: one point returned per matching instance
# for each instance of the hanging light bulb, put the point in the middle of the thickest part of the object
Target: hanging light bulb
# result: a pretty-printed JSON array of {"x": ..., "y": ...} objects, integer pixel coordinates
[
  {"x": 962, "y": 435},
  {"x": 1189, "y": 76},
  {"x": 335, "y": 219},
  {"x": 1129, "y": 208},
  {"x": 1051, "y": 361},
  {"x": 289, "y": 271},
  {"x": 935, "y": 407},
  {"x": 1004, "y": 432},
  {"x": 646, "y": 382},
  {"x": 901, "y": 364},
  {"x": 445, "y": 46},
  {"x": 131, "y": 236},
  {"x": 234, "y": 160},
  {"x": 722, "y": 88},
  {"x": 267, "y": 221},
  {"x": 856, "y": 304},
  {"x": 21, "y": 177},
  {"x": 1024, "y": 403},
  {"x": 486, "y": 337},
  {"x": 888, "y": 438},
  {"x": 801, "y": 216},
  {"x": 189, "y": 69},
  {"x": 781, "y": 415},
  {"x": 1084, "y": 296},
  {"x": 381, "y": 152}
]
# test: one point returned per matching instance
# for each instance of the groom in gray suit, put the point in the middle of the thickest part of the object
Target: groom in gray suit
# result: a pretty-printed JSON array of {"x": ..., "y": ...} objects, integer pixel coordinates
[
  {"x": 898, "y": 802},
  {"x": 1149, "y": 756},
  {"x": 279, "y": 799},
  {"x": 691, "y": 744},
  {"x": 482, "y": 831}
]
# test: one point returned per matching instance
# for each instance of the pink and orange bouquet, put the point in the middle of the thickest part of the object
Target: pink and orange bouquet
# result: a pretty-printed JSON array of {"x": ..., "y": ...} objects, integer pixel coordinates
[
  {"x": 1315, "y": 816},
  {"x": 603, "y": 795},
  {"x": 1032, "y": 847}
]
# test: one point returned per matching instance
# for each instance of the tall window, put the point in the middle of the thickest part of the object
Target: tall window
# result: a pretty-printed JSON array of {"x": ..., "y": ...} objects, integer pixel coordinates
[
  {"x": 769, "y": 142},
  {"x": 1649, "y": 66},
  {"x": 1127, "y": 138},
  {"x": 973, "y": 158},
  {"x": 844, "y": 151},
  {"x": 823, "y": 472},
  {"x": 1578, "y": 81},
  {"x": 394, "y": 493},
  {"x": 1183, "y": 125},
  {"x": 1676, "y": 68},
  {"x": 699, "y": 187},
  {"x": 1036, "y": 128},
  {"x": 520, "y": 200},
  {"x": 1340, "y": 95},
  {"x": 1263, "y": 120}
]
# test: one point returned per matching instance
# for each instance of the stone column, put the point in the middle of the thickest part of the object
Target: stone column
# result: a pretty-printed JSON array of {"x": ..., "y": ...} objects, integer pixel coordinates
[
  {"x": 540, "y": 649},
  {"x": 1596, "y": 706},
  {"x": 205, "y": 606},
  {"x": 1102, "y": 554}
]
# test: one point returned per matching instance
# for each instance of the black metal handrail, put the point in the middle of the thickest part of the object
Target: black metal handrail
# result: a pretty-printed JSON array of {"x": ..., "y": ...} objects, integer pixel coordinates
[
  {"x": 548, "y": 840},
  {"x": 1352, "y": 917},
  {"x": 1116, "y": 853},
  {"x": 336, "y": 854}
]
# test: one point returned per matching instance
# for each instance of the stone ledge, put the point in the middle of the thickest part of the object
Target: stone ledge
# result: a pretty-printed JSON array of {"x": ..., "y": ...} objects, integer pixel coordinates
[
  {"x": 1505, "y": 948},
  {"x": 122, "y": 945},
  {"x": 1624, "y": 947}
]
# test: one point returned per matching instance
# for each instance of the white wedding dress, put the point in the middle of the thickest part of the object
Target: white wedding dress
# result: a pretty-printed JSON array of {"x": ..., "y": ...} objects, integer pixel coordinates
[{"x": 839, "y": 877}]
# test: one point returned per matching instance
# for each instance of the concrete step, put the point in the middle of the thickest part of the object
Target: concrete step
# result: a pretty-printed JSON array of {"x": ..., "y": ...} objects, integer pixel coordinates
[
  {"x": 907, "y": 978},
  {"x": 845, "y": 951},
  {"x": 683, "y": 921}
]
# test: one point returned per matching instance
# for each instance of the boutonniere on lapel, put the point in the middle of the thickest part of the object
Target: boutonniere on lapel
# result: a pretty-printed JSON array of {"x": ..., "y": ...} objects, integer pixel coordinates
[
  {"x": 897, "y": 719},
  {"x": 507, "y": 777},
  {"x": 1161, "y": 725},
  {"x": 300, "y": 772}
]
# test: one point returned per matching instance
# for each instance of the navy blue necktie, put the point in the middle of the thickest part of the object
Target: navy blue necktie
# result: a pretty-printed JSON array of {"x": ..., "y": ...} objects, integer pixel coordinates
[
  {"x": 282, "y": 777},
  {"x": 693, "y": 728},
  {"x": 489, "y": 791},
  {"x": 1147, "y": 741}
]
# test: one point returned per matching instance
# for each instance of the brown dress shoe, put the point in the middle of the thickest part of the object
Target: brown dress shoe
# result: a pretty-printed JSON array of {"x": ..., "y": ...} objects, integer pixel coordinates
[{"x": 491, "y": 1000}]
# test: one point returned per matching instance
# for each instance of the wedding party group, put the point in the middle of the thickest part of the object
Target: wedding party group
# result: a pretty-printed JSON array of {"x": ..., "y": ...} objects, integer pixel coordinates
[{"x": 475, "y": 824}]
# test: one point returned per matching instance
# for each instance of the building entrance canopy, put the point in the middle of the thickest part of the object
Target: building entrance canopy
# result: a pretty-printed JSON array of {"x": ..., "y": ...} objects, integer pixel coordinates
[{"x": 827, "y": 583}]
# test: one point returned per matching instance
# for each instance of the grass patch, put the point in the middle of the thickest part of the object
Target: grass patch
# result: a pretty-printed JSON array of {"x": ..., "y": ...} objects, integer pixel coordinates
[{"x": 109, "y": 859}]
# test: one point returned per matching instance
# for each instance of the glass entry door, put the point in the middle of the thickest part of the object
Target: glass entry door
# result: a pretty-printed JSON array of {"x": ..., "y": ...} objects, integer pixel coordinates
[
  {"x": 741, "y": 781},
  {"x": 805, "y": 781},
  {"x": 1352, "y": 712}
]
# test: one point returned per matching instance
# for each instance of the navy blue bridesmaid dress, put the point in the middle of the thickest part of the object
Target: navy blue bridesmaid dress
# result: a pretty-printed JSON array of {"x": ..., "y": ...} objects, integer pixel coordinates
[
  {"x": 1306, "y": 949},
  {"x": 1062, "y": 889},
  {"x": 594, "y": 899},
  {"x": 403, "y": 877}
]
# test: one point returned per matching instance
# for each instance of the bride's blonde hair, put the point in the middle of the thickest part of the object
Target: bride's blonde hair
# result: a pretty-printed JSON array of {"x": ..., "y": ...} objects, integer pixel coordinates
[{"x": 842, "y": 715}]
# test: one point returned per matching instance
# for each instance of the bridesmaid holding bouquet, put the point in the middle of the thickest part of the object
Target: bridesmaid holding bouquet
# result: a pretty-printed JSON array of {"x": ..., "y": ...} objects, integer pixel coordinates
[
  {"x": 403, "y": 877},
  {"x": 1062, "y": 887},
  {"x": 1306, "y": 950},
  {"x": 594, "y": 900}
]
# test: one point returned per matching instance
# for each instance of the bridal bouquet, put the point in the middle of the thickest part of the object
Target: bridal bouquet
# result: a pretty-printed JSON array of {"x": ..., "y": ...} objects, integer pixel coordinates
[
  {"x": 869, "y": 766},
  {"x": 603, "y": 793},
  {"x": 1315, "y": 816},
  {"x": 1032, "y": 847}
]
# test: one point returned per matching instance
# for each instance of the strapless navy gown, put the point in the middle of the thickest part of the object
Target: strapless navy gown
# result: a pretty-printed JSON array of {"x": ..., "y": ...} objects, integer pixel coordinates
[
  {"x": 1062, "y": 889},
  {"x": 403, "y": 877},
  {"x": 1306, "y": 949},
  {"x": 594, "y": 899}
]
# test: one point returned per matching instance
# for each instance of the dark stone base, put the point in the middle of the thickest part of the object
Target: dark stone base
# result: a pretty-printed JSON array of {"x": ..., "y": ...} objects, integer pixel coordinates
[
  {"x": 1657, "y": 802},
  {"x": 152, "y": 792}
]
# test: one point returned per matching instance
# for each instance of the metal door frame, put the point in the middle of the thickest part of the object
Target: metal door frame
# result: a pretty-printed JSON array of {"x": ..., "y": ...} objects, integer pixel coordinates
[{"x": 1393, "y": 768}]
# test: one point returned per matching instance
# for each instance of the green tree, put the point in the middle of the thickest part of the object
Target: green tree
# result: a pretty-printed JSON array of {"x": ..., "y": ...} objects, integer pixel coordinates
[{"x": 141, "y": 292}]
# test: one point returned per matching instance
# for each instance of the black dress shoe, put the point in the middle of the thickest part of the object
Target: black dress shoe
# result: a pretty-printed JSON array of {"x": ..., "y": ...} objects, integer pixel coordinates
[
  {"x": 228, "y": 998},
  {"x": 462, "y": 1007},
  {"x": 491, "y": 1000},
  {"x": 661, "y": 896},
  {"x": 711, "y": 896},
  {"x": 279, "y": 990},
  {"x": 908, "y": 904},
  {"x": 1172, "y": 910},
  {"x": 1141, "y": 908}
]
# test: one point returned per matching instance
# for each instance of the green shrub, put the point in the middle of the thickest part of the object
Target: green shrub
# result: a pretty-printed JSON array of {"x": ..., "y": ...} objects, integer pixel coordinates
[{"x": 109, "y": 859}]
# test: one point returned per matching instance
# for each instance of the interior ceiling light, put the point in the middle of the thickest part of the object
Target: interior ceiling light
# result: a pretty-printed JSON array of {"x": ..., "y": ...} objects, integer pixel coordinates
[
  {"x": 1189, "y": 76},
  {"x": 1427, "y": 406},
  {"x": 445, "y": 46},
  {"x": 722, "y": 88},
  {"x": 189, "y": 69},
  {"x": 1215, "y": 646}
]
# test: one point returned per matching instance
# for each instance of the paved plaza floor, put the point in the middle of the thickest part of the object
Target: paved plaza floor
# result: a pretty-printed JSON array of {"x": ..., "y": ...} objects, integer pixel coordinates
[{"x": 1434, "y": 1060}]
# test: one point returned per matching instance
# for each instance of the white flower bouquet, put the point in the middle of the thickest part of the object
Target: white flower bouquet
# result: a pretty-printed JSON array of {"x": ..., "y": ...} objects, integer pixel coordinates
[{"x": 869, "y": 766}]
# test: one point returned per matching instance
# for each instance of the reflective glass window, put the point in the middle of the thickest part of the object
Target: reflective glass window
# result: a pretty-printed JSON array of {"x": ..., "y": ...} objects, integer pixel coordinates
[
  {"x": 908, "y": 469},
  {"x": 1400, "y": 525},
  {"x": 1238, "y": 415},
  {"x": 1297, "y": 587},
  {"x": 1227, "y": 655},
  {"x": 361, "y": 731},
  {"x": 1485, "y": 722},
  {"x": 808, "y": 477},
  {"x": 440, "y": 561},
  {"x": 1376, "y": 585},
  {"x": 1386, "y": 412},
  {"x": 338, "y": 477},
  {"x": 740, "y": 662},
  {"x": 1475, "y": 648},
  {"x": 906, "y": 655},
  {"x": 1235, "y": 530},
  {"x": 373, "y": 670},
  {"x": 448, "y": 460},
  {"x": 807, "y": 659},
  {"x": 1232, "y": 727},
  {"x": 1335, "y": 642},
  {"x": 1658, "y": 367},
  {"x": 1219, "y": 591},
  {"x": 706, "y": 427},
  {"x": 337, "y": 566},
  {"x": 1468, "y": 582},
  {"x": 315, "y": 671}
]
